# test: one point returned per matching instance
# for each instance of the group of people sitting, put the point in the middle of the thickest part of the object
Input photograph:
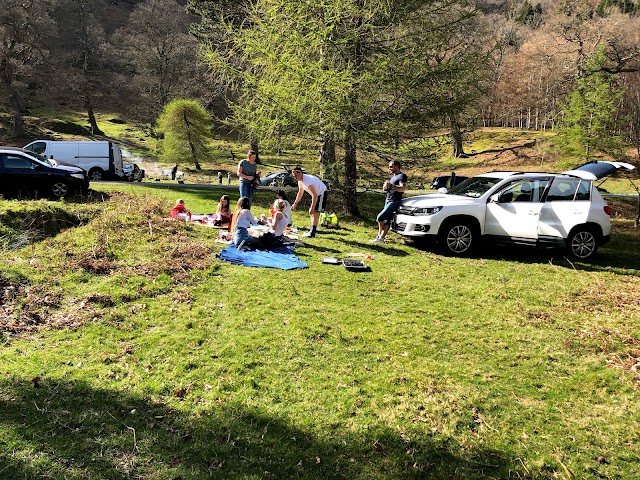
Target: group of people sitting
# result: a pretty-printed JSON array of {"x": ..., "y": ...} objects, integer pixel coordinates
[{"x": 241, "y": 219}]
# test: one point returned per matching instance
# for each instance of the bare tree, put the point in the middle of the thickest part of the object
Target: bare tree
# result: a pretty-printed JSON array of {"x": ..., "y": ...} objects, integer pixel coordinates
[
  {"x": 80, "y": 63},
  {"x": 23, "y": 24},
  {"x": 162, "y": 55}
]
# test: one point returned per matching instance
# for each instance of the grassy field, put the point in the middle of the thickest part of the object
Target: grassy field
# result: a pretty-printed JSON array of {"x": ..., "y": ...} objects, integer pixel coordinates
[{"x": 128, "y": 351}]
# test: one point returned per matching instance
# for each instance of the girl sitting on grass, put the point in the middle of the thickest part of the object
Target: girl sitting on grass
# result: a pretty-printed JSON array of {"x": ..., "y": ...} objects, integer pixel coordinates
[
  {"x": 223, "y": 213},
  {"x": 242, "y": 219},
  {"x": 179, "y": 211}
]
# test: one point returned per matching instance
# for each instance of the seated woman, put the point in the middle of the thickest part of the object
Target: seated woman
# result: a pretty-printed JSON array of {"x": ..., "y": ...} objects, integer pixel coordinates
[
  {"x": 242, "y": 220},
  {"x": 281, "y": 195},
  {"x": 223, "y": 212},
  {"x": 279, "y": 221}
]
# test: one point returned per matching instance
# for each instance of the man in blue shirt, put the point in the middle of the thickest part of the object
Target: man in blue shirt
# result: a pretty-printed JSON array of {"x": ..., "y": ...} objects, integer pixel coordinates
[{"x": 395, "y": 188}]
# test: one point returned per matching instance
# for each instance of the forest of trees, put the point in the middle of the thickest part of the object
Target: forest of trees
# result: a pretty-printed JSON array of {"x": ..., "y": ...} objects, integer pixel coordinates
[{"x": 352, "y": 73}]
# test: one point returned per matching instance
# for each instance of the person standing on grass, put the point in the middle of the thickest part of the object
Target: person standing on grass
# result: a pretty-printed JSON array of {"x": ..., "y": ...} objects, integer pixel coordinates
[
  {"x": 318, "y": 191},
  {"x": 247, "y": 173},
  {"x": 394, "y": 188},
  {"x": 220, "y": 178},
  {"x": 228, "y": 178}
]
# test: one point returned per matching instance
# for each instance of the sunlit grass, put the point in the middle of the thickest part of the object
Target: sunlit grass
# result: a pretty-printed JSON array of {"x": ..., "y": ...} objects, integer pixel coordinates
[{"x": 129, "y": 350}]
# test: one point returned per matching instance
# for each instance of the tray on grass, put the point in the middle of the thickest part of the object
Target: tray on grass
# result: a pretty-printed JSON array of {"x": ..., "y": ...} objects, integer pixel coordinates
[
  {"x": 331, "y": 260},
  {"x": 352, "y": 264}
]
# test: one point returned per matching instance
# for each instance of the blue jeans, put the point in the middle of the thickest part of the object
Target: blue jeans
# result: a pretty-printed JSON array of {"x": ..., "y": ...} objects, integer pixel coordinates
[
  {"x": 241, "y": 234},
  {"x": 390, "y": 208},
  {"x": 246, "y": 190}
]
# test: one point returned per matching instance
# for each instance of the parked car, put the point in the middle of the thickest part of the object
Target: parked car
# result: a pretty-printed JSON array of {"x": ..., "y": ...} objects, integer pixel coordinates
[
  {"x": 101, "y": 159},
  {"x": 446, "y": 181},
  {"x": 24, "y": 173},
  {"x": 539, "y": 209},
  {"x": 132, "y": 173},
  {"x": 279, "y": 179}
]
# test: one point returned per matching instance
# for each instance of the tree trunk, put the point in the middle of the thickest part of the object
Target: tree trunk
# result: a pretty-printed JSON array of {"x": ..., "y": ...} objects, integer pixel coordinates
[
  {"x": 350, "y": 171},
  {"x": 95, "y": 130},
  {"x": 328, "y": 156},
  {"x": 456, "y": 139},
  {"x": 16, "y": 115},
  {"x": 191, "y": 145},
  {"x": 255, "y": 147}
]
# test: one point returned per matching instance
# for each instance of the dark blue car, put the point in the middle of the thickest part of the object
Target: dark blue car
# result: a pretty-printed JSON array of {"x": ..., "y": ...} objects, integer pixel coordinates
[{"x": 27, "y": 174}]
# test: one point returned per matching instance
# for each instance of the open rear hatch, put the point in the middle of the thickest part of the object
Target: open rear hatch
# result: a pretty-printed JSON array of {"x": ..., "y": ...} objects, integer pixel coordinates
[{"x": 599, "y": 170}]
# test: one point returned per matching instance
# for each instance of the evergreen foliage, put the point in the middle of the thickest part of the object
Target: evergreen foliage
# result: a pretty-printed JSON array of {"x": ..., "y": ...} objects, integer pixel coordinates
[
  {"x": 186, "y": 126},
  {"x": 529, "y": 15},
  {"x": 361, "y": 73},
  {"x": 589, "y": 116}
]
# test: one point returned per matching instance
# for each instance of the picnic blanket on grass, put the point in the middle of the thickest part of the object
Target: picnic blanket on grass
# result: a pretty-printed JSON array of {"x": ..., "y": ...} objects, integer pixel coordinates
[{"x": 281, "y": 257}]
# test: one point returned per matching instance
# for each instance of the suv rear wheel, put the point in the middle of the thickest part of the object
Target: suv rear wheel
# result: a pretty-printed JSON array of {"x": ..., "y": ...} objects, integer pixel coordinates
[
  {"x": 458, "y": 237},
  {"x": 582, "y": 243}
]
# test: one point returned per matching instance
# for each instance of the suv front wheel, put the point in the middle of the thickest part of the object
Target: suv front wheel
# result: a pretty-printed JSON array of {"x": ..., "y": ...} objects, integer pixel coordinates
[
  {"x": 458, "y": 237},
  {"x": 582, "y": 243},
  {"x": 59, "y": 189}
]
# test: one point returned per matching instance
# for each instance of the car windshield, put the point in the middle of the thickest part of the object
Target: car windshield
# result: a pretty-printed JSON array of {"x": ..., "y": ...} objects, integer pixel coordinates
[
  {"x": 474, "y": 187},
  {"x": 42, "y": 158}
]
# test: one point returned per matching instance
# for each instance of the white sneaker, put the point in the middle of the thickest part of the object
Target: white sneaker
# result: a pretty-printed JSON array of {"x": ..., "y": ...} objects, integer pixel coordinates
[
  {"x": 377, "y": 240},
  {"x": 308, "y": 234}
]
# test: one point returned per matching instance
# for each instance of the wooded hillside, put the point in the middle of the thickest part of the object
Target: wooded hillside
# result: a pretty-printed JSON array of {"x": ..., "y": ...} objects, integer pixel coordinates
[{"x": 133, "y": 57}]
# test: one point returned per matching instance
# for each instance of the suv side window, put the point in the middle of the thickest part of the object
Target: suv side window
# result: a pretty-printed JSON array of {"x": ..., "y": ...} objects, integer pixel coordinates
[
  {"x": 568, "y": 189},
  {"x": 529, "y": 190},
  {"x": 17, "y": 161}
]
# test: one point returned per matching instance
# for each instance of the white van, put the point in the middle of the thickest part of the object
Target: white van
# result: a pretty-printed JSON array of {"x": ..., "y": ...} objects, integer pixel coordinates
[{"x": 101, "y": 159}]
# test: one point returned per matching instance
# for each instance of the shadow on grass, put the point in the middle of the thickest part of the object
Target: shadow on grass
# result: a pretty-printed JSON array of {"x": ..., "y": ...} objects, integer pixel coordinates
[
  {"x": 385, "y": 248},
  {"x": 621, "y": 255},
  {"x": 71, "y": 430}
]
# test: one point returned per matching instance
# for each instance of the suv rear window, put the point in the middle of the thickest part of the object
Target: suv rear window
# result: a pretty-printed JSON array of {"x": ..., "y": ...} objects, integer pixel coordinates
[{"x": 569, "y": 189}]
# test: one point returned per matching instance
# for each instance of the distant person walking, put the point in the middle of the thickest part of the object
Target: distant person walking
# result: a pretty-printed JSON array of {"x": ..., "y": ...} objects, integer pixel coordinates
[
  {"x": 228, "y": 178},
  {"x": 394, "y": 188},
  {"x": 318, "y": 191},
  {"x": 248, "y": 173},
  {"x": 220, "y": 178},
  {"x": 174, "y": 171}
]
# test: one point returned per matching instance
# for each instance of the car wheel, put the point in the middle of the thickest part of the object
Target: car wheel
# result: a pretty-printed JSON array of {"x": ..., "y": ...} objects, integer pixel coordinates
[
  {"x": 582, "y": 243},
  {"x": 59, "y": 189},
  {"x": 96, "y": 174},
  {"x": 458, "y": 238}
]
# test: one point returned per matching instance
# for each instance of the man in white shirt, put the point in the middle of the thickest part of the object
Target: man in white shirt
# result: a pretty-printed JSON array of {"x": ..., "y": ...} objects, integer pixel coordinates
[{"x": 318, "y": 191}]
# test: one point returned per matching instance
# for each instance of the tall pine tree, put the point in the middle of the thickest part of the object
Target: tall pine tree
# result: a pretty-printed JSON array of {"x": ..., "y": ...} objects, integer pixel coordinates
[
  {"x": 354, "y": 71},
  {"x": 589, "y": 116}
]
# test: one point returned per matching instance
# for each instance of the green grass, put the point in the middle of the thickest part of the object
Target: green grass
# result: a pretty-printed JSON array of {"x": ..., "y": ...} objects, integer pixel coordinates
[{"x": 130, "y": 351}]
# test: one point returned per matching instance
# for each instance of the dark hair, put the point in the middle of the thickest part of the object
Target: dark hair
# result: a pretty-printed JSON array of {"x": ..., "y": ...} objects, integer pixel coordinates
[
  {"x": 282, "y": 195},
  {"x": 396, "y": 162},
  {"x": 297, "y": 168}
]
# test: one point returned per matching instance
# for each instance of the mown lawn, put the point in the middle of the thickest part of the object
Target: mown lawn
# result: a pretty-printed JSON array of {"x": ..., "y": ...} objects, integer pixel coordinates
[{"x": 130, "y": 351}]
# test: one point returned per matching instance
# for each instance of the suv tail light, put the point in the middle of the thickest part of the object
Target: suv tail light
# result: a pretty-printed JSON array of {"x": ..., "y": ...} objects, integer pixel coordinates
[{"x": 607, "y": 210}]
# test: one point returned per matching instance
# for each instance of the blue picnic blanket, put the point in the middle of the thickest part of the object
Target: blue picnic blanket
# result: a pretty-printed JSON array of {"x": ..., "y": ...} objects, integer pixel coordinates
[{"x": 281, "y": 257}]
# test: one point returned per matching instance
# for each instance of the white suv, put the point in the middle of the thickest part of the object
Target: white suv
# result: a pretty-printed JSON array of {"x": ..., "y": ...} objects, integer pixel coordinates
[{"x": 539, "y": 209}]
